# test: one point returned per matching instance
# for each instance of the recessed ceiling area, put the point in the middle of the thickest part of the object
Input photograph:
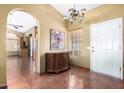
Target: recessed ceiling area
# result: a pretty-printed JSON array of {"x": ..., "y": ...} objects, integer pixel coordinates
[
  {"x": 63, "y": 8},
  {"x": 20, "y": 21}
]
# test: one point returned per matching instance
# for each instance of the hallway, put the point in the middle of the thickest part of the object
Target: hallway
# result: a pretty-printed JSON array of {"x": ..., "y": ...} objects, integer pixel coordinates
[{"x": 16, "y": 72}]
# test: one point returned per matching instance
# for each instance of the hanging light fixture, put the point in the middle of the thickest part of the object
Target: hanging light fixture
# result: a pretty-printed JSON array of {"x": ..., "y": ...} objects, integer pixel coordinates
[{"x": 75, "y": 15}]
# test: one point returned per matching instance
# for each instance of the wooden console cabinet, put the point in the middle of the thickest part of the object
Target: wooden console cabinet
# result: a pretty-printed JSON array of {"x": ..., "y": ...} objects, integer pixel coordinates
[{"x": 56, "y": 62}]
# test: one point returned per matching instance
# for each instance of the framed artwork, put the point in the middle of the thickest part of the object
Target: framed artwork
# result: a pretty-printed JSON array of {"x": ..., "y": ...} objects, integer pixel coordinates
[{"x": 57, "y": 39}]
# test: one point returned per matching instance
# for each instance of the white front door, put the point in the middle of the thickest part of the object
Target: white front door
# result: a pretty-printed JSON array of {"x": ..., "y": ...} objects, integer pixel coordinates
[{"x": 106, "y": 47}]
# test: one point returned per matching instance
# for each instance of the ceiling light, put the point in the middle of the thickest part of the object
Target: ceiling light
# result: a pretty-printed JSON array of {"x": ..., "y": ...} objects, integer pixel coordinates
[{"x": 75, "y": 15}]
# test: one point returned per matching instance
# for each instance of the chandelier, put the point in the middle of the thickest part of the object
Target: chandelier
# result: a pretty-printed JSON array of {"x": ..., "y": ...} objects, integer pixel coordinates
[{"x": 75, "y": 15}]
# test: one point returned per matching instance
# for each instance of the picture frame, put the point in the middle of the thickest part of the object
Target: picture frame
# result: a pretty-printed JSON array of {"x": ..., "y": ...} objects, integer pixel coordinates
[{"x": 57, "y": 39}]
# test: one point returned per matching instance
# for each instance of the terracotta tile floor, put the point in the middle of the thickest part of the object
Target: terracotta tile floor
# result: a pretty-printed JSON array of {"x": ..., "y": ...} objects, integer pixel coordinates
[{"x": 21, "y": 76}]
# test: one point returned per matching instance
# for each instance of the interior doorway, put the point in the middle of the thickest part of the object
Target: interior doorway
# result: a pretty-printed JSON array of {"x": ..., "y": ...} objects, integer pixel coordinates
[{"x": 22, "y": 43}]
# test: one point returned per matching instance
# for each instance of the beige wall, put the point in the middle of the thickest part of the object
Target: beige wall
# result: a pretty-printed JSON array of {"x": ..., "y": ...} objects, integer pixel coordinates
[
  {"x": 102, "y": 13},
  {"x": 47, "y": 17}
]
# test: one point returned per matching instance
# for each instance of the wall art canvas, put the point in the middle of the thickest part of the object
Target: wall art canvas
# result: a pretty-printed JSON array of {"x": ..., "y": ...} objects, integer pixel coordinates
[{"x": 56, "y": 39}]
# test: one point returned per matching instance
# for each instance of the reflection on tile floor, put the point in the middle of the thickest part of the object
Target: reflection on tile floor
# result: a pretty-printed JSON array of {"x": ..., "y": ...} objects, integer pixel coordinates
[{"x": 21, "y": 76}]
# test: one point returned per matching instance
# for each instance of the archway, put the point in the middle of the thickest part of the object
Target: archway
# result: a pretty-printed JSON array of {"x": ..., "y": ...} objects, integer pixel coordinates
[{"x": 28, "y": 42}]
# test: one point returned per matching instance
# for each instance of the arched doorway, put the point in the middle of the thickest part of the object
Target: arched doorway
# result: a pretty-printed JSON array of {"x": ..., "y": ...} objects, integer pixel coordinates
[{"x": 26, "y": 56}]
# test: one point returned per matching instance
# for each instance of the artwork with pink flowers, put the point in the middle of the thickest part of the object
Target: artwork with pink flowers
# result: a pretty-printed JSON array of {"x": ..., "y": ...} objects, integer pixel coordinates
[{"x": 56, "y": 39}]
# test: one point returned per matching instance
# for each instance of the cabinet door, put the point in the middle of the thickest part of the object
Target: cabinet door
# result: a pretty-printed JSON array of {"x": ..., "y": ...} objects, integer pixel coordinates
[
  {"x": 59, "y": 61},
  {"x": 66, "y": 59},
  {"x": 50, "y": 58},
  {"x": 62, "y": 60}
]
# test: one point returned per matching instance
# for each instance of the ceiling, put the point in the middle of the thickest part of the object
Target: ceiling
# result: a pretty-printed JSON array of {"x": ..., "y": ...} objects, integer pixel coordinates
[
  {"x": 27, "y": 21},
  {"x": 63, "y": 8},
  {"x": 20, "y": 18}
]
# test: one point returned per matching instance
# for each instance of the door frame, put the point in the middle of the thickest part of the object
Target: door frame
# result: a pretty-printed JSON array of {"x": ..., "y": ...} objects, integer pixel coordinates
[{"x": 120, "y": 19}]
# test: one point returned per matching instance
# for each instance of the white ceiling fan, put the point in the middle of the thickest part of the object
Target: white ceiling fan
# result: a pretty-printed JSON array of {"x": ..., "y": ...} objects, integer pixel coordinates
[
  {"x": 16, "y": 26},
  {"x": 13, "y": 25}
]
